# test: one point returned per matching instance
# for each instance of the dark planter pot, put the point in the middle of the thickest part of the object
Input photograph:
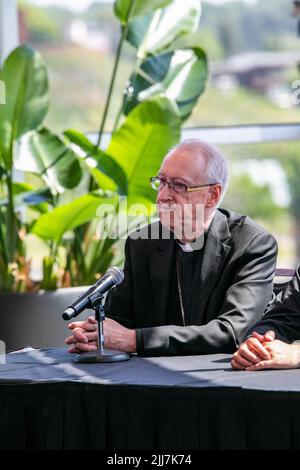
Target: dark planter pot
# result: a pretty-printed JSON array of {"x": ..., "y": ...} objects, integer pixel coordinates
[{"x": 34, "y": 319}]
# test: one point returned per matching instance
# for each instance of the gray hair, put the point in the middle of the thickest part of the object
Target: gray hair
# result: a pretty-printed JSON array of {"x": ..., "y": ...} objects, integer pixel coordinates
[{"x": 216, "y": 168}]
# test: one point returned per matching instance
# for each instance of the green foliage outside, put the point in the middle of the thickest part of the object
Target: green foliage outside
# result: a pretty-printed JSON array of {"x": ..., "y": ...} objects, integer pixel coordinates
[
  {"x": 69, "y": 163},
  {"x": 232, "y": 28}
]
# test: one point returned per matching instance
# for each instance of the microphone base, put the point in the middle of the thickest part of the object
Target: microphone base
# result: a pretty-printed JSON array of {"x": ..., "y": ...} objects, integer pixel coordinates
[{"x": 98, "y": 356}]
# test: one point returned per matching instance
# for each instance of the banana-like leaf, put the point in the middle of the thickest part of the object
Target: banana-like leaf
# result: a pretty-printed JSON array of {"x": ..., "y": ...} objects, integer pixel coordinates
[
  {"x": 51, "y": 158},
  {"x": 25, "y": 76},
  {"x": 136, "y": 7},
  {"x": 152, "y": 34},
  {"x": 171, "y": 61},
  {"x": 54, "y": 224},
  {"x": 183, "y": 82},
  {"x": 104, "y": 169},
  {"x": 138, "y": 147},
  {"x": 143, "y": 140}
]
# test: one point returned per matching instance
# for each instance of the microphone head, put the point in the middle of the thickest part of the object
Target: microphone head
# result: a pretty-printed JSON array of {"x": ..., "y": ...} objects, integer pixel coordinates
[
  {"x": 69, "y": 313},
  {"x": 117, "y": 274}
]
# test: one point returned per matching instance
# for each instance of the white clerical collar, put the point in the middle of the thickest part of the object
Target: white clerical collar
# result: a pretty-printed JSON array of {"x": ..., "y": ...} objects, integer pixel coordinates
[
  {"x": 187, "y": 247},
  {"x": 195, "y": 245}
]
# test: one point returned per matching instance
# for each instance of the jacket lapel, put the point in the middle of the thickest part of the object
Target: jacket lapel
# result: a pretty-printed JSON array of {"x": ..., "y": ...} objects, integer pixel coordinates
[
  {"x": 216, "y": 250},
  {"x": 161, "y": 265}
]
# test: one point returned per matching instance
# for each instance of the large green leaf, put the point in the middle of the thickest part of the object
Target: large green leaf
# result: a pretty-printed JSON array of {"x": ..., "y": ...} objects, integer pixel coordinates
[
  {"x": 53, "y": 225},
  {"x": 138, "y": 7},
  {"x": 184, "y": 81},
  {"x": 142, "y": 141},
  {"x": 48, "y": 155},
  {"x": 171, "y": 61},
  {"x": 25, "y": 76},
  {"x": 153, "y": 34},
  {"x": 104, "y": 169}
]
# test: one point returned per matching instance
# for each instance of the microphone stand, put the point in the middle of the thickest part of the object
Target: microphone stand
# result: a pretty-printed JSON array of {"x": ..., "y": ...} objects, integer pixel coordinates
[{"x": 101, "y": 354}]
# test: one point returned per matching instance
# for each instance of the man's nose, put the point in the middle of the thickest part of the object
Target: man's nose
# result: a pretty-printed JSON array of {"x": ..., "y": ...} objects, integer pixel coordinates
[{"x": 164, "y": 194}]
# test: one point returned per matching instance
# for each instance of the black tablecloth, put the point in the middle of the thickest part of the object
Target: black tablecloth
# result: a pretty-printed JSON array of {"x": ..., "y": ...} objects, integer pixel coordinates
[{"x": 195, "y": 402}]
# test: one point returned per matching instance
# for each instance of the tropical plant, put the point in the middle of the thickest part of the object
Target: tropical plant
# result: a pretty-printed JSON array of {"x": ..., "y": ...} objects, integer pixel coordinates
[
  {"x": 168, "y": 76},
  {"x": 25, "y": 76}
]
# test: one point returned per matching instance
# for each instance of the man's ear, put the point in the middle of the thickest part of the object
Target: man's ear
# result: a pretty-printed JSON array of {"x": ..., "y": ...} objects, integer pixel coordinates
[{"x": 214, "y": 195}]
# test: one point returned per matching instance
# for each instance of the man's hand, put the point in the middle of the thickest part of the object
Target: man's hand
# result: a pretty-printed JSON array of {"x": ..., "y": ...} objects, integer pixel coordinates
[
  {"x": 118, "y": 337},
  {"x": 252, "y": 351},
  {"x": 85, "y": 335},
  {"x": 282, "y": 356}
]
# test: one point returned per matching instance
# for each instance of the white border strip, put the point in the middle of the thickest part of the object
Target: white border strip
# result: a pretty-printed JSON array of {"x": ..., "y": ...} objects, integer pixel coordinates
[
  {"x": 233, "y": 135},
  {"x": 9, "y": 32}
]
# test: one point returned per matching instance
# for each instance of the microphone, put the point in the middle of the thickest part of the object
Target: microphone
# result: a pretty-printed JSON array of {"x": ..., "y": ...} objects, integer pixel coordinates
[{"x": 112, "y": 278}]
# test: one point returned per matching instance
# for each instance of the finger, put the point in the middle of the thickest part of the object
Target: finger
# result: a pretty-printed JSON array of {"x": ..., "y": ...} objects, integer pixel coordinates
[
  {"x": 75, "y": 324},
  {"x": 88, "y": 325},
  {"x": 247, "y": 354},
  {"x": 258, "y": 348},
  {"x": 270, "y": 335},
  {"x": 258, "y": 336},
  {"x": 73, "y": 350},
  {"x": 261, "y": 365},
  {"x": 70, "y": 340},
  {"x": 92, "y": 320},
  {"x": 241, "y": 360},
  {"x": 85, "y": 338},
  {"x": 90, "y": 336},
  {"x": 81, "y": 347},
  {"x": 80, "y": 335},
  {"x": 236, "y": 365}
]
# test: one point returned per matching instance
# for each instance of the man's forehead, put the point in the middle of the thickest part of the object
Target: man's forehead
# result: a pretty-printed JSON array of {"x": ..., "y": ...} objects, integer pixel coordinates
[{"x": 183, "y": 160}]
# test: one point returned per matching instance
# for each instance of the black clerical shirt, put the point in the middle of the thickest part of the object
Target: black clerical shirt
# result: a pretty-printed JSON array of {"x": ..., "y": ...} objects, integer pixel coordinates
[{"x": 190, "y": 263}]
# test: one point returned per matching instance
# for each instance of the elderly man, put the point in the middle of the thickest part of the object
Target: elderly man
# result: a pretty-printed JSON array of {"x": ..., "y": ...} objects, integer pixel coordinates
[
  {"x": 268, "y": 342},
  {"x": 198, "y": 290}
]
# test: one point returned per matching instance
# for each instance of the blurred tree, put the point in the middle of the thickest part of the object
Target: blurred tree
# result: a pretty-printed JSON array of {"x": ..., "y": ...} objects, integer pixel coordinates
[
  {"x": 211, "y": 43},
  {"x": 256, "y": 203},
  {"x": 40, "y": 27},
  {"x": 247, "y": 197},
  {"x": 291, "y": 164},
  {"x": 243, "y": 27},
  {"x": 230, "y": 35}
]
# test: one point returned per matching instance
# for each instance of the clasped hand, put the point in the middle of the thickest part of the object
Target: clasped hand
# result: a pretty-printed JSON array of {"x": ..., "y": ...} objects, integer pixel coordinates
[
  {"x": 85, "y": 336},
  {"x": 265, "y": 352}
]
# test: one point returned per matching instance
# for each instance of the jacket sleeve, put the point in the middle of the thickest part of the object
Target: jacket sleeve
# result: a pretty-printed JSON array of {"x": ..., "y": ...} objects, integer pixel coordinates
[
  {"x": 283, "y": 316},
  {"x": 119, "y": 301},
  {"x": 244, "y": 303}
]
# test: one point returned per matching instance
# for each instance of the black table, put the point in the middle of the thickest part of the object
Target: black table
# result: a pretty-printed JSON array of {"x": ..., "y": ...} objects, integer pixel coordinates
[{"x": 194, "y": 402}]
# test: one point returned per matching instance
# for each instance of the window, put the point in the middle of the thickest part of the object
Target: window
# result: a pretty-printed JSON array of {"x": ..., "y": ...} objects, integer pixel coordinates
[
  {"x": 77, "y": 39},
  {"x": 252, "y": 46},
  {"x": 265, "y": 185},
  {"x": 254, "y": 54}
]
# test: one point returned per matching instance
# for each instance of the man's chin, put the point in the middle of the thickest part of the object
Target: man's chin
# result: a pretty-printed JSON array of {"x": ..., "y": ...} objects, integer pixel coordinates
[
  {"x": 176, "y": 231},
  {"x": 166, "y": 225}
]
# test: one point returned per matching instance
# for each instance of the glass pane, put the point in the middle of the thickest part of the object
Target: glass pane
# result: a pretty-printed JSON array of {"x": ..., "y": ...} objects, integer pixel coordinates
[
  {"x": 253, "y": 49},
  {"x": 78, "y": 42},
  {"x": 265, "y": 185}
]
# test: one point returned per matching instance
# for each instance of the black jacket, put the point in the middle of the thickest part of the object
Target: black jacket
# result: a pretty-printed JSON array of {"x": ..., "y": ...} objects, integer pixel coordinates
[
  {"x": 283, "y": 316},
  {"x": 235, "y": 286}
]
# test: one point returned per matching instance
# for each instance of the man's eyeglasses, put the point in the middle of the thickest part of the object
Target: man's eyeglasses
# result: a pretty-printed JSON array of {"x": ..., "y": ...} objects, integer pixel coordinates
[{"x": 159, "y": 183}]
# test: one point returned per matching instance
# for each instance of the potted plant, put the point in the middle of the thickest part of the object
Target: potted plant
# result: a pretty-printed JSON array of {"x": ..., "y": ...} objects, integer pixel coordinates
[{"x": 168, "y": 77}]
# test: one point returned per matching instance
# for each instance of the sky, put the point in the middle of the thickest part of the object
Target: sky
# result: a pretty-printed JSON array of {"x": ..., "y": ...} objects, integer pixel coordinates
[{"x": 81, "y": 5}]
